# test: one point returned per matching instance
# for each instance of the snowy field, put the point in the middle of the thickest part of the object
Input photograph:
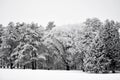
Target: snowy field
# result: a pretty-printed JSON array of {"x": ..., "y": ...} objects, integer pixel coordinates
[{"x": 17, "y": 74}]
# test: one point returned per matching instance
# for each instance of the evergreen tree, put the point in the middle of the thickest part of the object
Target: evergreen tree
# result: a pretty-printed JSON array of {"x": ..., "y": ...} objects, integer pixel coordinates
[{"x": 110, "y": 38}]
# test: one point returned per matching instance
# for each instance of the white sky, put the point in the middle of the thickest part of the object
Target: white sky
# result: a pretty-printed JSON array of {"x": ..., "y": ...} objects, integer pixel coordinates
[{"x": 60, "y": 11}]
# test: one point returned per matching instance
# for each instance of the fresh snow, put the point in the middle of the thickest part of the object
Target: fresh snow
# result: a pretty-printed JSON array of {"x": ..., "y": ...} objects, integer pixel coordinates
[{"x": 19, "y": 74}]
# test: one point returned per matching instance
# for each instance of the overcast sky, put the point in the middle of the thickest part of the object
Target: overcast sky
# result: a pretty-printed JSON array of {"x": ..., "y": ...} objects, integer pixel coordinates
[{"x": 60, "y": 11}]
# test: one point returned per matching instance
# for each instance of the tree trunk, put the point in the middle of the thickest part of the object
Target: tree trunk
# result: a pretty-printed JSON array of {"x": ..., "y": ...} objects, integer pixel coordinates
[
  {"x": 7, "y": 66},
  {"x": 67, "y": 67},
  {"x": 34, "y": 64},
  {"x": 82, "y": 69},
  {"x": 11, "y": 65},
  {"x": 113, "y": 71},
  {"x": 24, "y": 67},
  {"x": 113, "y": 66},
  {"x": 3, "y": 66},
  {"x": 18, "y": 66}
]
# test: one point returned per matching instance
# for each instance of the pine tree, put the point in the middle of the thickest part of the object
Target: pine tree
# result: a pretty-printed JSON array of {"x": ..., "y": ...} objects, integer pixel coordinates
[{"x": 110, "y": 38}]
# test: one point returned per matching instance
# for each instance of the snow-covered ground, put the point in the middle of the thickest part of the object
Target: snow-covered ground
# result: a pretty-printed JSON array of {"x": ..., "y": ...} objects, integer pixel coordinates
[{"x": 18, "y": 74}]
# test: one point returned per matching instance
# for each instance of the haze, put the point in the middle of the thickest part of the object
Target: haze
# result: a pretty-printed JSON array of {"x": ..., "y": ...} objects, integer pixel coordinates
[{"x": 60, "y": 11}]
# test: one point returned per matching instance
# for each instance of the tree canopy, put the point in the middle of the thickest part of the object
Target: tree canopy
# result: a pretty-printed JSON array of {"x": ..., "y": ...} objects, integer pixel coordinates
[{"x": 91, "y": 46}]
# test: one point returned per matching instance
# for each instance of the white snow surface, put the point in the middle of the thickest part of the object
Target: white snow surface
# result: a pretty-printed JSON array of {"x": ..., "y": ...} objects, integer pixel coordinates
[{"x": 19, "y": 74}]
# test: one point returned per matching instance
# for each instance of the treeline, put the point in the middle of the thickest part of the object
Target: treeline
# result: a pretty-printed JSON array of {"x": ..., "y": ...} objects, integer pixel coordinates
[{"x": 92, "y": 46}]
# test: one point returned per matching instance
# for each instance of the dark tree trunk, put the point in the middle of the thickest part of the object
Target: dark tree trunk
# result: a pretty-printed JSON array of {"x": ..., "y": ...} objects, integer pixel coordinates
[
  {"x": 113, "y": 66},
  {"x": 83, "y": 69},
  {"x": 96, "y": 71},
  {"x": 7, "y": 66},
  {"x": 113, "y": 71},
  {"x": 34, "y": 64},
  {"x": 11, "y": 65},
  {"x": 24, "y": 67},
  {"x": 67, "y": 67}
]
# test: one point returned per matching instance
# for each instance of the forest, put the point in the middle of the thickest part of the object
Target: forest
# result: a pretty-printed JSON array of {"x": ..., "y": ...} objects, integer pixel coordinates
[{"x": 91, "y": 46}]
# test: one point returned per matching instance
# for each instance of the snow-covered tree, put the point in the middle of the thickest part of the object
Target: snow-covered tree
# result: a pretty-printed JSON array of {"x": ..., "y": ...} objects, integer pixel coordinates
[
  {"x": 64, "y": 46},
  {"x": 30, "y": 47},
  {"x": 89, "y": 34},
  {"x": 110, "y": 38},
  {"x": 9, "y": 42}
]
